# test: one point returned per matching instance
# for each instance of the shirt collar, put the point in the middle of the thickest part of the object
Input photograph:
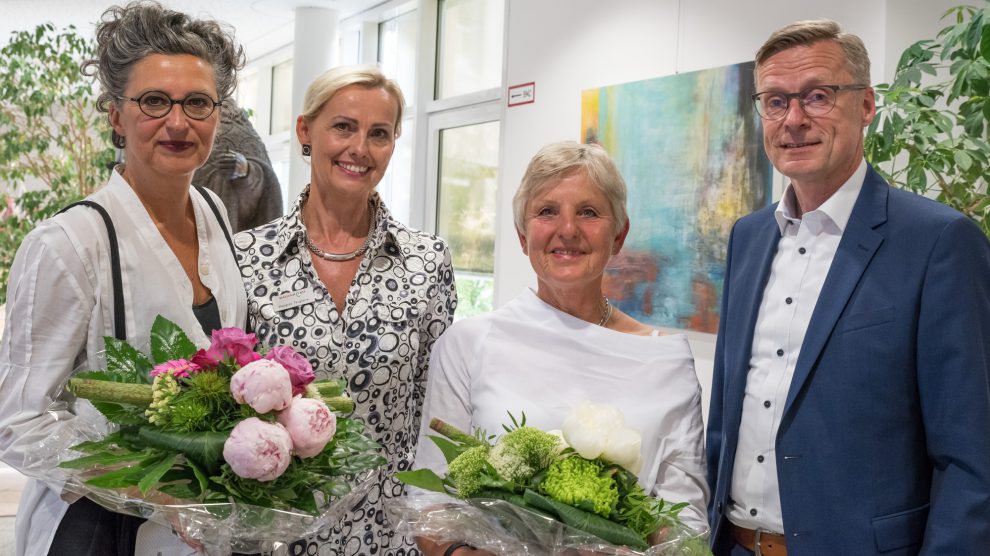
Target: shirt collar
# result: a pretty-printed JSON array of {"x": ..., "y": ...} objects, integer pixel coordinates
[
  {"x": 290, "y": 229},
  {"x": 833, "y": 214}
]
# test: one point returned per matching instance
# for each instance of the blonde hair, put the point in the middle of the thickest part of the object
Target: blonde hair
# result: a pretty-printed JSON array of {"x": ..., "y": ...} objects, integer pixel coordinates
[
  {"x": 328, "y": 83},
  {"x": 556, "y": 161},
  {"x": 806, "y": 33}
]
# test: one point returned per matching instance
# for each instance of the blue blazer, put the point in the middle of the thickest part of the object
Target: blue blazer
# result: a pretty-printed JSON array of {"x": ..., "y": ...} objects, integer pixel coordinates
[{"x": 884, "y": 445}]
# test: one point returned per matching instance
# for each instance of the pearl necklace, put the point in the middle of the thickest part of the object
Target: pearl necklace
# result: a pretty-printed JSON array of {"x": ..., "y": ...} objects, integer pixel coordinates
[
  {"x": 338, "y": 257},
  {"x": 606, "y": 312}
]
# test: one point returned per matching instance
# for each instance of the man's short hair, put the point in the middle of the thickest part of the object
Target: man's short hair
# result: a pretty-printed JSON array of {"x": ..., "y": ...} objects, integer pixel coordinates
[{"x": 806, "y": 33}]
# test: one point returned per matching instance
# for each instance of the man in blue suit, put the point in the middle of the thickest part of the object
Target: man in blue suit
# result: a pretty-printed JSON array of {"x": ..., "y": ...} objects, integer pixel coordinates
[{"x": 850, "y": 409}]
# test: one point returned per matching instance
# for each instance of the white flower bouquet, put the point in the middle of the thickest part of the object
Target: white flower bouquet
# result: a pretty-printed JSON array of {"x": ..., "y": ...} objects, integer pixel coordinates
[
  {"x": 536, "y": 492},
  {"x": 235, "y": 449}
]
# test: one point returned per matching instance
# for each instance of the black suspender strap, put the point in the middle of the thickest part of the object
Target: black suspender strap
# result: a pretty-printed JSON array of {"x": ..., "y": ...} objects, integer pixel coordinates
[
  {"x": 119, "y": 320},
  {"x": 216, "y": 212}
]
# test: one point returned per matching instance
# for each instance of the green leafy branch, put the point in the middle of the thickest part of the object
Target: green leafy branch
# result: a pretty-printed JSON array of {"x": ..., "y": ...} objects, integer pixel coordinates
[{"x": 930, "y": 135}]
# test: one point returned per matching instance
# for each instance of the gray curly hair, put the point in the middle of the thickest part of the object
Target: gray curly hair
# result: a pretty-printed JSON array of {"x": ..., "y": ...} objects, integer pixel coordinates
[{"x": 129, "y": 33}]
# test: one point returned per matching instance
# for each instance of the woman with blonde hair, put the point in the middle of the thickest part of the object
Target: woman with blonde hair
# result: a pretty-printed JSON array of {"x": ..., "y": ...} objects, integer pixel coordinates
[{"x": 360, "y": 294}]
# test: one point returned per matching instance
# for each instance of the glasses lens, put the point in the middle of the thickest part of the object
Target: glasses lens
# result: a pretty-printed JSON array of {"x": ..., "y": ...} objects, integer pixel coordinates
[
  {"x": 818, "y": 101},
  {"x": 154, "y": 104},
  {"x": 198, "y": 106},
  {"x": 771, "y": 105}
]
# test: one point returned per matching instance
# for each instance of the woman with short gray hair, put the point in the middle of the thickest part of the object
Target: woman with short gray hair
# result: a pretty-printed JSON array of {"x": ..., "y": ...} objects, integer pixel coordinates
[
  {"x": 144, "y": 245},
  {"x": 548, "y": 350}
]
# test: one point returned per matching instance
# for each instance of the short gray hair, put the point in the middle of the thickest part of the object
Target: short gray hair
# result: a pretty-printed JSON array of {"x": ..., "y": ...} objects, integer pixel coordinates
[
  {"x": 329, "y": 82},
  {"x": 127, "y": 34},
  {"x": 556, "y": 161},
  {"x": 806, "y": 33}
]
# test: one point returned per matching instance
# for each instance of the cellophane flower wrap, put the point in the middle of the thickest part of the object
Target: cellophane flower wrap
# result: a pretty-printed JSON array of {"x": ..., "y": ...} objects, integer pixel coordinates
[
  {"x": 531, "y": 491},
  {"x": 235, "y": 449}
]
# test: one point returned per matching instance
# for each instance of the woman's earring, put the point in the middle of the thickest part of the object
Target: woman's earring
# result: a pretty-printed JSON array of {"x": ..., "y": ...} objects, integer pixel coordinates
[{"x": 307, "y": 149}]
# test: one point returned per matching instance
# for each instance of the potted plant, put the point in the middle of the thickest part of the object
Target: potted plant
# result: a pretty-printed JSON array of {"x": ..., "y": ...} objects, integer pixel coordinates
[
  {"x": 930, "y": 134},
  {"x": 54, "y": 148}
]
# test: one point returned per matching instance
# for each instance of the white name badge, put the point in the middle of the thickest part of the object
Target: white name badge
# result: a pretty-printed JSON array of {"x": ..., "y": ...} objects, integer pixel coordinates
[{"x": 289, "y": 300}]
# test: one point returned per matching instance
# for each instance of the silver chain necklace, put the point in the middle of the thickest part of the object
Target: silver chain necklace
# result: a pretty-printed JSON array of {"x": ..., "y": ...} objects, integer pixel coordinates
[
  {"x": 338, "y": 257},
  {"x": 606, "y": 312}
]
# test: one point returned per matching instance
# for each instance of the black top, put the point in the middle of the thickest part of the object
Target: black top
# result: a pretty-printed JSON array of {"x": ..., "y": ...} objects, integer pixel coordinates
[{"x": 208, "y": 315}]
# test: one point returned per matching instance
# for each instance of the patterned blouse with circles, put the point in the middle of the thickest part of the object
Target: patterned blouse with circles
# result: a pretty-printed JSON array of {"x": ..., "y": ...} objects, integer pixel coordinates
[{"x": 401, "y": 300}]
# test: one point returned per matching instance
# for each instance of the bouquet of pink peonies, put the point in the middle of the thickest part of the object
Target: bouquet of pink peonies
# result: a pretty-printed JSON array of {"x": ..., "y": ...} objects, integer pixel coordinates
[{"x": 235, "y": 449}]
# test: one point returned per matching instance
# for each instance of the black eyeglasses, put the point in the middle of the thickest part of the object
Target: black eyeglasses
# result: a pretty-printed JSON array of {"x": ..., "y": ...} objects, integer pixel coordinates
[
  {"x": 157, "y": 104},
  {"x": 815, "y": 101}
]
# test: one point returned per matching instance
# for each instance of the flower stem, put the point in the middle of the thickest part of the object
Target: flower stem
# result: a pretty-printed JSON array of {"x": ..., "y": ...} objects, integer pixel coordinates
[
  {"x": 453, "y": 433},
  {"x": 340, "y": 404},
  {"x": 107, "y": 391},
  {"x": 329, "y": 388}
]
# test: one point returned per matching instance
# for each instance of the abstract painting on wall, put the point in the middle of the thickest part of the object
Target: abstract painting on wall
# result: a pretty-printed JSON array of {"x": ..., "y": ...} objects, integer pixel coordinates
[{"x": 690, "y": 147}]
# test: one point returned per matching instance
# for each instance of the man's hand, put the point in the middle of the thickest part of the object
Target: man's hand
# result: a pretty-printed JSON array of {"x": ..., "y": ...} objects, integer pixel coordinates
[{"x": 234, "y": 163}]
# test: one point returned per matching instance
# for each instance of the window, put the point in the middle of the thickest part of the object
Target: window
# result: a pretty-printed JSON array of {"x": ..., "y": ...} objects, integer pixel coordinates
[
  {"x": 466, "y": 210},
  {"x": 247, "y": 95},
  {"x": 281, "y": 98},
  {"x": 397, "y": 38},
  {"x": 469, "y": 46},
  {"x": 461, "y": 75}
]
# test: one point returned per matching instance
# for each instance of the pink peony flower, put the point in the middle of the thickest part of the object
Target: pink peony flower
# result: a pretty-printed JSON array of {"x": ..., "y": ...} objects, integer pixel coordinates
[
  {"x": 232, "y": 342},
  {"x": 258, "y": 450},
  {"x": 180, "y": 368},
  {"x": 264, "y": 385},
  {"x": 310, "y": 423},
  {"x": 300, "y": 371}
]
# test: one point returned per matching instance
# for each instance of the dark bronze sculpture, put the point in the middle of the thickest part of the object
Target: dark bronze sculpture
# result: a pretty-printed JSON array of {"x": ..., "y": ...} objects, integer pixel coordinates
[{"x": 240, "y": 172}]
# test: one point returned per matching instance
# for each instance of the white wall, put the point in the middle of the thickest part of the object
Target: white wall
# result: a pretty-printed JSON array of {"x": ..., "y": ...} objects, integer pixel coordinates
[{"x": 566, "y": 46}]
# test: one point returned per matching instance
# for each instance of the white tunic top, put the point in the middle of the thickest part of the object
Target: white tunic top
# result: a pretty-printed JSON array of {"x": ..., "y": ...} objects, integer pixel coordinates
[
  {"x": 530, "y": 357},
  {"x": 59, "y": 308}
]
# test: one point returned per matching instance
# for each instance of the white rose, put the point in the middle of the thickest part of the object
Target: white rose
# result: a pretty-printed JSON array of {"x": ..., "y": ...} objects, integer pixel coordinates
[
  {"x": 623, "y": 448},
  {"x": 599, "y": 430}
]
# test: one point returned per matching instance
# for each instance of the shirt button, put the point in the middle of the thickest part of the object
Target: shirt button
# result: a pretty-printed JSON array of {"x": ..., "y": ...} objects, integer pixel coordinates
[
  {"x": 753, "y": 512},
  {"x": 204, "y": 269},
  {"x": 788, "y": 301},
  {"x": 759, "y": 459},
  {"x": 766, "y": 403},
  {"x": 780, "y": 353},
  {"x": 802, "y": 250}
]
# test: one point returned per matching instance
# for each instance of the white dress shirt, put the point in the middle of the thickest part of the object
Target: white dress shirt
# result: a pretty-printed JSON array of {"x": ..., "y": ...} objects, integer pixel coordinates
[
  {"x": 531, "y": 357},
  {"x": 59, "y": 308},
  {"x": 807, "y": 246}
]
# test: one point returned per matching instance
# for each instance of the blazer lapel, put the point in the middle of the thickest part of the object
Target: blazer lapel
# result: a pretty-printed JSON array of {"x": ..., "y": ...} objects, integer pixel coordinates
[
  {"x": 856, "y": 248},
  {"x": 752, "y": 264}
]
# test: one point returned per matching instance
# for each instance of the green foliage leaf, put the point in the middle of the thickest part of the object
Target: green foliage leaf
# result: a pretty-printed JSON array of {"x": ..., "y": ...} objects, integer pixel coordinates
[
  {"x": 124, "y": 363},
  {"x": 103, "y": 459},
  {"x": 155, "y": 473},
  {"x": 449, "y": 449},
  {"x": 169, "y": 342},
  {"x": 205, "y": 448},
  {"x": 963, "y": 160},
  {"x": 586, "y": 521},
  {"x": 422, "y": 478}
]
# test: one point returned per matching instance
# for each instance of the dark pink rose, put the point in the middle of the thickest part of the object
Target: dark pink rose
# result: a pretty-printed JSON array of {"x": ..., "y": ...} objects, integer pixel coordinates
[
  {"x": 228, "y": 342},
  {"x": 300, "y": 371}
]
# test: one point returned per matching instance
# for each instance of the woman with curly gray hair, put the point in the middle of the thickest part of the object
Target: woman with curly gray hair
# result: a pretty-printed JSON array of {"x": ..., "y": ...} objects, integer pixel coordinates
[{"x": 146, "y": 244}]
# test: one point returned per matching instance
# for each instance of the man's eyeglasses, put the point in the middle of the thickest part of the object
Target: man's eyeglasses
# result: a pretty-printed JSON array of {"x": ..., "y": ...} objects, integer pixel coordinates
[
  {"x": 157, "y": 104},
  {"x": 815, "y": 101}
]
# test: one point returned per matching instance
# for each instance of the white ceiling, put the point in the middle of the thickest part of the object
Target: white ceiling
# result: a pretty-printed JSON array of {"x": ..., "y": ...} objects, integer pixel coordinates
[{"x": 261, "y": 25}]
